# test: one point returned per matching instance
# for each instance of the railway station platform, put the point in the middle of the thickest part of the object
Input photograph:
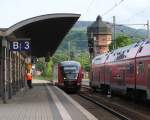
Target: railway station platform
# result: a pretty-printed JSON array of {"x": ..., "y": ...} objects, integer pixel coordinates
[{"x": 43, "y": 102}]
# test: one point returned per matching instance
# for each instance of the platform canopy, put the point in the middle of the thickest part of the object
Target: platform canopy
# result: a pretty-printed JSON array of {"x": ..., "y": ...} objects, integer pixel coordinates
[{"x": 46, "y": 32}]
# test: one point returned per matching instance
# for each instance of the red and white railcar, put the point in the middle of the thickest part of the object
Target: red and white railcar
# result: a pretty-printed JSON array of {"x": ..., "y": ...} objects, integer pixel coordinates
[
  {"x": 70, "y": 75},
  {"x": 126, "y": 70},
  {"x": 143, "y": 69},
  {"x": 97, "y": 75}
]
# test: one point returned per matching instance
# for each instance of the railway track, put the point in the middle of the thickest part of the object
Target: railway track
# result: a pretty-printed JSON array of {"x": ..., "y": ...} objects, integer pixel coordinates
[
  {"x": 117, "y": 114},
  {"x": 100, "y": 114},
  {"x": 124, "y": 112}
]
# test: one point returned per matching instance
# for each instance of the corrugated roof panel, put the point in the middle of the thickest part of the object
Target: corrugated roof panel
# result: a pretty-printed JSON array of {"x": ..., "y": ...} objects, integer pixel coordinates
[
  {"x": 100, "y": 59},
  {"x": 145, "y": 49}
]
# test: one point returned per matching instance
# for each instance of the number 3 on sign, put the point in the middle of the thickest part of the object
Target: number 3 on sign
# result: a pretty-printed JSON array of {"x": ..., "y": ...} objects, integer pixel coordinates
[{"x": 27, "y": 45}]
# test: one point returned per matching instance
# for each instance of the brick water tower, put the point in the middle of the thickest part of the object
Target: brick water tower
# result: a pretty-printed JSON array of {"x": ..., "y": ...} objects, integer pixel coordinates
[{"x": 99, "y": 37}]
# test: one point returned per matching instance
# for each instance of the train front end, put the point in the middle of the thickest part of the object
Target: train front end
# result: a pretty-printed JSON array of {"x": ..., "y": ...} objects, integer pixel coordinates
[{"x": 70, "y": 75}]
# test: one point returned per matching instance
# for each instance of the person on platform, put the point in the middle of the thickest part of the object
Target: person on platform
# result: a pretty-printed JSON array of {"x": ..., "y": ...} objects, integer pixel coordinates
[{"x": 29, "y": 80}]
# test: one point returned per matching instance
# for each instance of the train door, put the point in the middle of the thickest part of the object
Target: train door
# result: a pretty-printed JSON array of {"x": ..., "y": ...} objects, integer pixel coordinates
[
  {"x": 149, "y": 76},
  {"x": 123, "y": 77},
  {"x": 123, "y": 80},
  {"x": 148, "y": 79},
  {"x": 103, "y": 74},
  {"x": 0, "y": 68},
  {"x": 108, "y": 76},
  {"x": 140, "y": 81},
  {"x": 99, "y": 79},
  {"x": 97, "y": 82},
  {"x": 94, "y": 78}
]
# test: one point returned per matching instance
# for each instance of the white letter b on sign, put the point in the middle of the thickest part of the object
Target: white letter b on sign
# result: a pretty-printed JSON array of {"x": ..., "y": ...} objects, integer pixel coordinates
[{"x": 15, "y": 45}]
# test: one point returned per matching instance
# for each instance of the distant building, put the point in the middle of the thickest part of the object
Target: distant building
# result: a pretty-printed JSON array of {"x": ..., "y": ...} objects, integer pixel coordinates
[{"x": 99, "y": 37}]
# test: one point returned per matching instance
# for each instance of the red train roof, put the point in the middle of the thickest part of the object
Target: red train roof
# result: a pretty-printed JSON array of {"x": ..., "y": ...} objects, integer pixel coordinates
[{"x": 138, "y": 49}]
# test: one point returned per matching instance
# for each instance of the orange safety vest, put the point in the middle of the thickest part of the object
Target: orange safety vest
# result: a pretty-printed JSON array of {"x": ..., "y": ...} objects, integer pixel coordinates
[{"x": 29, "y": 76}]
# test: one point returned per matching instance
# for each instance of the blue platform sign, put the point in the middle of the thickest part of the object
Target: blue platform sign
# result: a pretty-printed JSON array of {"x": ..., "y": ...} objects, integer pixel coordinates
[{"x": 20, "y": 45}]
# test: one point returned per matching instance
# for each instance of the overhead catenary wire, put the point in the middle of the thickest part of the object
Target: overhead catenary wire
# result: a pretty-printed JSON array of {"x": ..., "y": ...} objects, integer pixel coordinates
[
  {"x": 139, "y": 12},
  {"x": 88, "y": 8},
  {"x": 115, "y": 1},
  {"x": 111, "y": 9},
  {"x": 132, "y": 16}
]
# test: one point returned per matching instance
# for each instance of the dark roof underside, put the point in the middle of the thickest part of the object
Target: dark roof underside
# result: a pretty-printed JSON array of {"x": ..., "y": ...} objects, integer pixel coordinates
[{"x": 45, "y": 34}]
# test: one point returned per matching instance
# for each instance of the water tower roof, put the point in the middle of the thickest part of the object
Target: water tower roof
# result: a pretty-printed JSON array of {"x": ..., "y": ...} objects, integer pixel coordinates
[{"x": 99, "y": 27}]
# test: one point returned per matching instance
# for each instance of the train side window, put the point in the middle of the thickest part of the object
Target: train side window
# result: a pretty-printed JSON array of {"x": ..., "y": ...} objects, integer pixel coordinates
[
  {"x": 141, "y": 68},
  {"x": 140, "y": 49},
  {"x": 107, "y": 57},
  {"x": 111, "y": 52},
  {"x": 131, "y": 68},
  {"x": 147, "y": 42},
  {"x": 136, "y": 45},
  {"x": 97, "y": 62}
]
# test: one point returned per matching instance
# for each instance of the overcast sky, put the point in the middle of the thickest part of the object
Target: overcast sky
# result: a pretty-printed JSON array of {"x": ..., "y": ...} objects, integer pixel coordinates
[{"x": 127, "y": 11}]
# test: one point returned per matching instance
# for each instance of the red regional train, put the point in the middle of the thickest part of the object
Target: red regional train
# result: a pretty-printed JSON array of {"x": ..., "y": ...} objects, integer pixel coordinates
[
  {"x": 125, "y": 71},
  {"x": 70, "y": 75}
]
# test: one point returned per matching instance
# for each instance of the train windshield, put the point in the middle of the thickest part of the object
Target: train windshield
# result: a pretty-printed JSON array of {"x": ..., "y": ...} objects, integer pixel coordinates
[{"x": 70, "y": 72}]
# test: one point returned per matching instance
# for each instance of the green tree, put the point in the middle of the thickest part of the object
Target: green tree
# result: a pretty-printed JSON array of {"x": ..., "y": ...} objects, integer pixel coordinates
[
  {"x": 44, "y": 67},
  {"x": 74, "y": 36},
  {"x": 121, "y": 41},
  {"x": 40, "y": 64},
  {"x": 47, "y": 72},
  {"x": 84, "y": 59},
  {"x": 58, "y": 57}
]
